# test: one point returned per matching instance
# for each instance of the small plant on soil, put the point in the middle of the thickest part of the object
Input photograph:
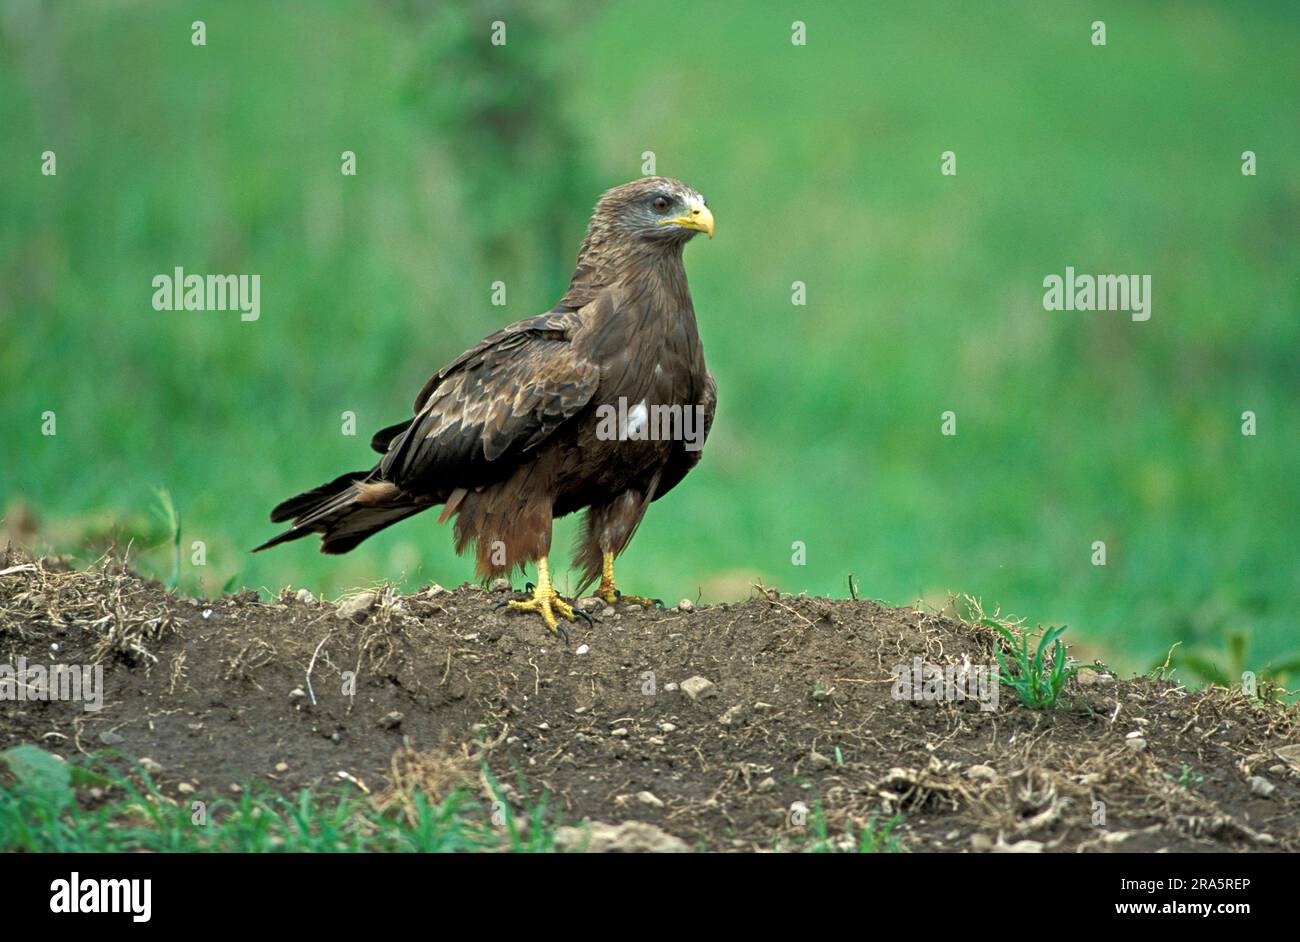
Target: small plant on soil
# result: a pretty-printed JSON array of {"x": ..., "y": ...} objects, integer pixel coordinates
[
  {"x": 1038, "y": 677},
  {"x": 1186, "y": 778},
  {"x": 876, "y": 836}
]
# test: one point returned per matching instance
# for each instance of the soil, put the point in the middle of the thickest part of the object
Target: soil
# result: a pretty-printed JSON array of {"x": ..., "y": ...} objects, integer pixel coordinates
[{"x": 800, "y": 719}]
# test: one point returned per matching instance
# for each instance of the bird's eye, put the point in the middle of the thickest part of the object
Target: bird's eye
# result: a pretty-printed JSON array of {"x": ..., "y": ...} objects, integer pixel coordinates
[{"x": 661, "y": 204}]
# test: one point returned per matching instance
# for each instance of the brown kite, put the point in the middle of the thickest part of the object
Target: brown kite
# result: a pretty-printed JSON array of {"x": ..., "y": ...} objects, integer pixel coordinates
[{"x": 602, "y": 404}]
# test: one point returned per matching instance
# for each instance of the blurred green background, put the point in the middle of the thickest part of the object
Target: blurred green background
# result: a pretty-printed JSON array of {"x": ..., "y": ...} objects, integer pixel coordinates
[{"x": 479, "y": 163}]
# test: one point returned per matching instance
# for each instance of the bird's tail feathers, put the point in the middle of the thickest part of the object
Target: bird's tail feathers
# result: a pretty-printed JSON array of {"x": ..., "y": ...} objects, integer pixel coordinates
[{"x": 345, "y": 511}]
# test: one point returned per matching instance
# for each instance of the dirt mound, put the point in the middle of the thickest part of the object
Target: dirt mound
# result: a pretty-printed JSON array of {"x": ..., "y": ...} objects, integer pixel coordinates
[{"x": 742, "y": 726}]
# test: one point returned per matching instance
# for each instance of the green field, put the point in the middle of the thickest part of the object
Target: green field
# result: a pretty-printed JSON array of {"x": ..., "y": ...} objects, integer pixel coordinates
[{"x": 479, "y": 163}]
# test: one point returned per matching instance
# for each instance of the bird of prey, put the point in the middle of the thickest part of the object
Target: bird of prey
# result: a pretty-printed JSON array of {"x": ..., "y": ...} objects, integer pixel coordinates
[{"x": 601, "y": 404}]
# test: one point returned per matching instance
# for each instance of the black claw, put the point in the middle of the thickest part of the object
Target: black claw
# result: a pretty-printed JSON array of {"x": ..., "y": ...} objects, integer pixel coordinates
[
  {"x": 563, "y": 633},
  {"x": 659, "y": 603},
  {"x": 581, "y": 614},
  {"x": 529, "y": 587},
  {"x": 501, "y": 605}
]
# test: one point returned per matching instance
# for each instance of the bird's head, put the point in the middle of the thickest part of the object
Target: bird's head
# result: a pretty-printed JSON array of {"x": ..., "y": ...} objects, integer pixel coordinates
[{"x": 656, "y": 209}]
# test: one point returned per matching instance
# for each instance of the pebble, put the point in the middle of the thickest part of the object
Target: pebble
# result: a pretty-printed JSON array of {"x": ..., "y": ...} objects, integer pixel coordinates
[
  {"x": 818, "y": 761},
  {"x": 620, "y": 733},
  {"x": 1088, "y": 677},
  {"x": 500, "y": 585},
  {"x": 582, "y": 649},
  {"x": 357, "y": 607},
  {"x": 981, "y": 773},
  {"x": 282, "y": 767},
  {"x": 685, "y": 605},
  {"x": 185, "y": 788},
  {"x": 305, "y": 596},
  {"x": 1261, "y": 786},
  {"x": 151, "y": 766},
  {"x": 699, "y": 687},
  {"x": 391, "y": 720},
  {"x": 733, "y": 716},
  {"x": 767, "y": 785},
  {"x": 1136, "y": 743},
  {"x": 649, "y": 798}
]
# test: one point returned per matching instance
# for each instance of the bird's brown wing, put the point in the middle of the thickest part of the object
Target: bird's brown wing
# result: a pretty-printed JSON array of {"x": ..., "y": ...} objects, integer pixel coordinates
[
  {"x": 492, "y": 404},
  {"x": 683, "y": 459}
]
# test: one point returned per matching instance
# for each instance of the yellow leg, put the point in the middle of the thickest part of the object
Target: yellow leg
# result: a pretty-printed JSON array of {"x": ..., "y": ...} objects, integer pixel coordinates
[
  {"x": 610, "y": 594},
  {"x": 547, "y": 602}
]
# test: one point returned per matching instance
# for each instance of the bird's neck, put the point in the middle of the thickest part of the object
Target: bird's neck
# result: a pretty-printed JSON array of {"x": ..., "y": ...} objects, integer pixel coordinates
[{"x": 602, "y": 265}]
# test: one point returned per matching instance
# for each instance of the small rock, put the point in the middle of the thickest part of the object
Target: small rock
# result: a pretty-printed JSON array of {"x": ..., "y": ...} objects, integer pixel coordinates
[
  {"x": 762, "y": 707},
  {"x": 629, "y": 837},
  {"x": 619, "y": 733},
  {"x": 981, "y": 842},
  {"x": 185, "y": 788},
  {"x": 151, "y": 766},
  {"x": 582, "y": 649},
  {"x": 235, "y": 789},
  {"x": 1261, "y": 786},
  {"x": 649, "y": 798},
  {"x": 500, "y": 585},
  {"x": 981, "y": 773},
  {"x": 1019, "y": 847},
  {"x": 1278, "y": 769},
  {"x": 733, "y": 716},
  {"x": 685, "y": 605},
  {"x": 667, "y": 728},
  {"x": 671, "y": 688},
  {"x": 305, "y": 597},
  {"x": 297, "y": 693},
  {"x": 818, "y": 761},
  {"x": 357, "y": 607},
  {"x": 282, "y": 767},
  {"x": 1091, "y": 678},
  {"x": 391, "y": 720},
  {"x": 768, "y": 784},
  {"x": 591, "y": 603},
  {"x": 1137, "y": 743},
  {"x": 433, "y": 591},
  {"x": 699, "y": 687},
  {"x": 109, "y": 738}
]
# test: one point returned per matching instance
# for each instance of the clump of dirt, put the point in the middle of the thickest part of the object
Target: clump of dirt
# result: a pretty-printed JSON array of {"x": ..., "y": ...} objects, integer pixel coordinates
[{"x": 730, "y": 727}]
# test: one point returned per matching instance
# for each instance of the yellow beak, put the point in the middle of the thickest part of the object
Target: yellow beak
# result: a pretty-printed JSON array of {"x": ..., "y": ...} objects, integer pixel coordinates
[{"x": 698, "y": 218}]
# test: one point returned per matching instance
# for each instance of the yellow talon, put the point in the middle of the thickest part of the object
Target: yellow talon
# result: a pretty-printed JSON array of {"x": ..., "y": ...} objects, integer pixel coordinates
[
  {"x": 611, "y": 595},
  {"x": 547, "y": 602}
]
